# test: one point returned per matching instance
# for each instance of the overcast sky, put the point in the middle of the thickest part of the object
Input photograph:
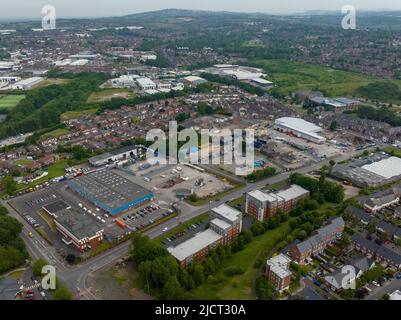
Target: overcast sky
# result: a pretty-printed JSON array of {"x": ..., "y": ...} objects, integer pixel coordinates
[{"x": 10, "y": 9}]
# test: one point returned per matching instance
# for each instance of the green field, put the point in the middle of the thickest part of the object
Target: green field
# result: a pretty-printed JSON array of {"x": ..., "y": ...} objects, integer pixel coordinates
[
  {"x": 10, "y": 101},
  {"x": 393, "y": 150},
  {"x": 23, "y": 162},
  {"x": 108, "y": 94},
  {"x": 256, "y": 43},
  {"x": 49, "y": 82},
  {"x": 55, "y": 170},
  {"x": 260, "y": 247},
  {"x": 55, "y": 133},
  {"x": 295, "y": 76},
  {"x": 76, "y": 114}
]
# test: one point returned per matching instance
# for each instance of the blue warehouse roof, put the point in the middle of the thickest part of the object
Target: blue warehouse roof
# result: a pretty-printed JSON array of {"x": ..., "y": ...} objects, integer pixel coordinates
[{"x": 110, "y": 191}]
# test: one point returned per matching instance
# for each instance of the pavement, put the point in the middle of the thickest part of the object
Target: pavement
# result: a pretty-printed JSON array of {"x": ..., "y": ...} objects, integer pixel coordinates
[
  {"x": 388, "y": 288},
  {"x": 75, "y": 277}
]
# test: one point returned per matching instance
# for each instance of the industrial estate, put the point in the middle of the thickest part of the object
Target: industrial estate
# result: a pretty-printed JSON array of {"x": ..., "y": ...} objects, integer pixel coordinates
[{"x": 78, "y": 192}]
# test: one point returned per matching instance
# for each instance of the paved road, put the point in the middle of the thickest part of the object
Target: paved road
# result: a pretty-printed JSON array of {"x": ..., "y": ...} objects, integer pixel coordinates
[
  {"x": 75, "y": 276},
  {"x": 388, "y": 288}
]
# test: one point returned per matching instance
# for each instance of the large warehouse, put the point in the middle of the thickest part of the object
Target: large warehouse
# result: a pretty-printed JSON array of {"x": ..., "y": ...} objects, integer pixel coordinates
[
  {"x": 300, "y": 128},
  {"x": 110, "y": 191},
  {"x": 116, "y": 155},
  {"x": 373, "y": 171}
]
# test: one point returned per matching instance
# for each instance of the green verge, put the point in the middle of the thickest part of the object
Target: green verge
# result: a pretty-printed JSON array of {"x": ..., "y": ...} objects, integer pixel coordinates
[{"x": 260, "y": 247}]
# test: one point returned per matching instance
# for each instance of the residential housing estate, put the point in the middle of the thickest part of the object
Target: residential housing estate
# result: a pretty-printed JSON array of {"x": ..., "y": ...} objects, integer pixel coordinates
[{"x": 316, "y": 244}]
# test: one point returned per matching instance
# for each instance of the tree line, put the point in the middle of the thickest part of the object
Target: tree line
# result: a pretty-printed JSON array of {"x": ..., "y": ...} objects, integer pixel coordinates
[
  {"x": 12, "y": 248},
  {"x": 42, "y": 107},
  {"x": 233, "y": 82},
  {"x": 321, "y": 190}
]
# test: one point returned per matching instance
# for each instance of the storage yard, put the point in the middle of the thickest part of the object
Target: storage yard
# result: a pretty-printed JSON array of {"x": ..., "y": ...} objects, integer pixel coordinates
[{"x": 168, "y": 182}]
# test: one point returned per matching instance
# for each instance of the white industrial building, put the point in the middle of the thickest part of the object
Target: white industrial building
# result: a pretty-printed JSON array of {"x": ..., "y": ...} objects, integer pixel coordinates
[
  {"x": 237, "y": 72},
  {"x": 300, "y": 128},
  {"x": 9, "y": 79},
  {"x": 194, "y": 80},
  {"x": 27, "y": 84},
  {"x": 241, "y": 74},
  {"x": 146, "y": 84},
  {"x": 6, "y": 65},
  {"x": 262, "y": 82},
  {"x": 388, "y": 168},
  {"x": 125, "y": 81},
  {"x": 117, "y": 155}
]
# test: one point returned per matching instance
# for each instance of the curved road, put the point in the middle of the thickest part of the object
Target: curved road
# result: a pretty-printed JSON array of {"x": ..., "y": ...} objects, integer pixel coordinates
[{"x": 75, "y": 276}]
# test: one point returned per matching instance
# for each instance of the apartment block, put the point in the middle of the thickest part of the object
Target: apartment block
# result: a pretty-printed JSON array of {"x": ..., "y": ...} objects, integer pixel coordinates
[
  {"x": 225, "y": 226},
  {"x": 278, "y": 272},
  {"x": 261, "y": 205}
]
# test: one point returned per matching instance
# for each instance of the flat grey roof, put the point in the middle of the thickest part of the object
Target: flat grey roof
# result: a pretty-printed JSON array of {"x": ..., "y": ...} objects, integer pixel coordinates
[
  {"x": 293, "y": 192},
  {"x": 220, "y": 223},
  {"x": 262, "y": 196},
  {"x": 56, "y": 206},
  {"x": 227, "y": 212},
  {"x": 80, "y": 224},
  {"x": 195, "y": 244},
  {"x": 115, "y": 152}
]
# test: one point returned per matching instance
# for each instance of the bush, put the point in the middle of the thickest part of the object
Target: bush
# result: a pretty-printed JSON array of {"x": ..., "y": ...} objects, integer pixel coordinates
[
  {"x": 233, "y": 271},
  {"x": 37, "y": 267}
]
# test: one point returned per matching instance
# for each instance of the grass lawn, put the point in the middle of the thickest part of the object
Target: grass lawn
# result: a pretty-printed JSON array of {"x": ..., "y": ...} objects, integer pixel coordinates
[
  {"x": 44, "y": 235},
  {"x": 201, "y": 202},
  {"x": 49, "y": 82},
  {"x": 55, "y": 133},
  {"x": 256, "y": 43},
  {"x": 294, "y": 76},
  {"x": 55, "y": 170},
  {"x": 17, "y": 274},
  {"x": 393, "y": 150},
  {"x": 108, "y": 94},
  {"x": 76, "y": 114},
  {"x": 23, "y": 162},
  {"x": 236, "y": 202},
  {"x": 260, "y": 247},
  {"x": 278, "y": 185},
  {"x": 49, "y": 220},
  {"x": 10, "y": 101}
]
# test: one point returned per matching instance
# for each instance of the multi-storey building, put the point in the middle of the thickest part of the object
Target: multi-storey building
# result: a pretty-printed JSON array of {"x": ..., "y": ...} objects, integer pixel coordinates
[
  {"x": 76, "y": 228},
  {"x": 227, "y": 221},
  {"x": 225, "y": 226},
  {"x": 263, "y": 205},
  {"x": 318, "y": 243},
  {"x": 278, "y": 272}
]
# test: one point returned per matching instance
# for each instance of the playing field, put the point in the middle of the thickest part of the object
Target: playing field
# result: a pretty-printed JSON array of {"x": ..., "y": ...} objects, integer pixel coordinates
[
  {"x": 76, "y": 114},
  {"x": 108, "y": 94},
  {"x": 292, "y": 76},
  {"x": 55, "y": 133},
  {"x": 9, "y": 101}
]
